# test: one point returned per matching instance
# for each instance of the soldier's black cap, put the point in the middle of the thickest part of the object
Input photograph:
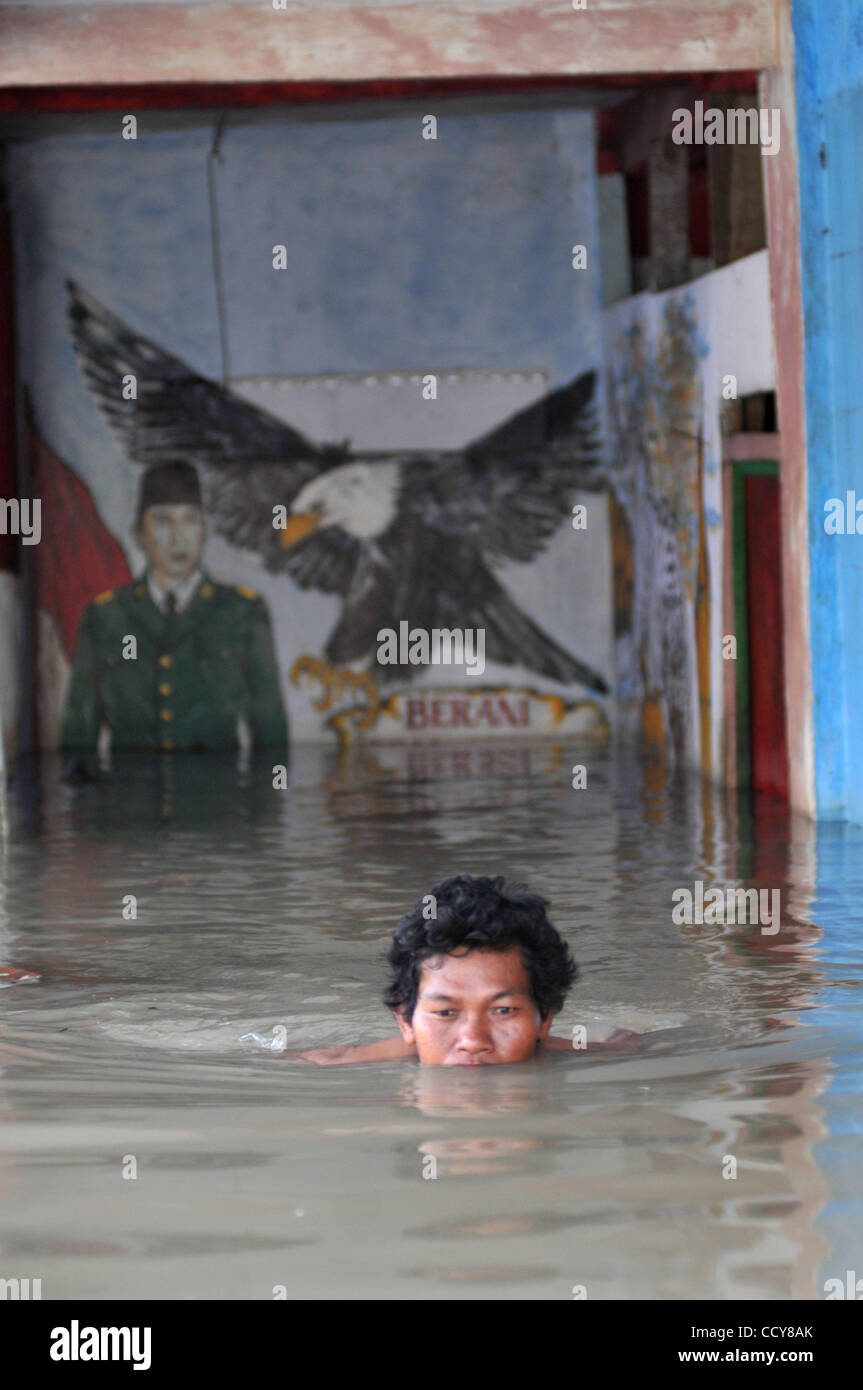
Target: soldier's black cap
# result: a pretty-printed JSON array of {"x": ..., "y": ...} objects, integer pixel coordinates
[{"x": 174, "y": 483}]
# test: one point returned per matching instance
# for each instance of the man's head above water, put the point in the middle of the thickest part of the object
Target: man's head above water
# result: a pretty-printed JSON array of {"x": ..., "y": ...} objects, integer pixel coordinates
[{"x": 478, "y": 973}]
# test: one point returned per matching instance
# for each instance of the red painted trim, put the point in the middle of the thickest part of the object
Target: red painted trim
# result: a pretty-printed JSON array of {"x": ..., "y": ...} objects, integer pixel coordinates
[
  {"x": 182, "y": 95},
  {"x": 9, "y": 552},
  {"x": 729, "y": 673},
  {"x": 751, "y": 445},
  {"x": 766, "y": 628}
]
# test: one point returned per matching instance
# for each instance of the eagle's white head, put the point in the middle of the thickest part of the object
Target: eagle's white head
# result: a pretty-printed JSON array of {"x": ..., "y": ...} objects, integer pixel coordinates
[{"x": 361, "y": 498}]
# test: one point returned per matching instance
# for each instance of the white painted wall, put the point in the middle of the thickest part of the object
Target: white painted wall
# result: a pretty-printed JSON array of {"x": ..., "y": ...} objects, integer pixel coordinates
[{"x": 732, "y": 309}]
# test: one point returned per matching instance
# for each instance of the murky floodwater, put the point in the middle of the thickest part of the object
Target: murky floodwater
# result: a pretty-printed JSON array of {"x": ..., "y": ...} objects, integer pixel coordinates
[{"x": 259, "y": 909}]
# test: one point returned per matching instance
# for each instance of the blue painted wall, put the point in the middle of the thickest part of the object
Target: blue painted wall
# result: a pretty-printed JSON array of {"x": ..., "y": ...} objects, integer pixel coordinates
[{"x": 829, "y": 68}]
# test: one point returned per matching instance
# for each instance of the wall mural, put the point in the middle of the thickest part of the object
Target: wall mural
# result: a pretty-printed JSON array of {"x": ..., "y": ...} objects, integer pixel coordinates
[
  {"x": 401, "y": 256},
  {"x": 406, "y": 540},
  {"x": 661, "y": 588}
]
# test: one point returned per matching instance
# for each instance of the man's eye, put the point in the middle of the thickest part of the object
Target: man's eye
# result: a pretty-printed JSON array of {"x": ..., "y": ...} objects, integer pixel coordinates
[
  {"x": 443, "y": 1013},
  {"x": 506, "y": 1009}
]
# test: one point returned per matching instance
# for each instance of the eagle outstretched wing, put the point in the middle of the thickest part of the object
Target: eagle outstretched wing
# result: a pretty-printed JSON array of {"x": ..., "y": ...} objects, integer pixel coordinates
[
  {"x": 513, "y": 487},
  {"x": 256, "y": 461}
]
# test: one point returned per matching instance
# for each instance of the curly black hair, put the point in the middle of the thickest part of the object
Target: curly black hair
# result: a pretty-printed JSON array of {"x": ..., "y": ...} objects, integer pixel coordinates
[{"x": 483, "y": 913}]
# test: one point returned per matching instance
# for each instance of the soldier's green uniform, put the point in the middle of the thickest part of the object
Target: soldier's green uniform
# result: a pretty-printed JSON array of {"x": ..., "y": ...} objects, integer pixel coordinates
[{"x": 194, "y": 673}]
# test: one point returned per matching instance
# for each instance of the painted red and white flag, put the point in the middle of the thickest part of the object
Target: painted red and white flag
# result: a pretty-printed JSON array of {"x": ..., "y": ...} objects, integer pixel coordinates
[{"x": 77, "y": 558}]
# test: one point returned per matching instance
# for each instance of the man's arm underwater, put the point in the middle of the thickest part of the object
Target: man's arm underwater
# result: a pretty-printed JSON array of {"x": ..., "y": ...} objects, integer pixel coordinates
[
  {"x": 621, "y": 1040},
  {"x": 390, "y": 1050},
  {"x": 396, "y": 1049}
]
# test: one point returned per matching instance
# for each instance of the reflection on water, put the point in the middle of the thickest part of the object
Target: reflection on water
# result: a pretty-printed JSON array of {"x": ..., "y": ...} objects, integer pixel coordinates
[{"x": 172, "y": 906}]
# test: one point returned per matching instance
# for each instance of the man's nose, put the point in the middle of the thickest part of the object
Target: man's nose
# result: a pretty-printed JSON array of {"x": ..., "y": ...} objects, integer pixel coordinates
[{"x": 474, "y": 1035}]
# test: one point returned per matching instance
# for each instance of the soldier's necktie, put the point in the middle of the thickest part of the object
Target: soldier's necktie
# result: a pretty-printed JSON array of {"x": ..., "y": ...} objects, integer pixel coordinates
[{"x": 169, "y": 605}]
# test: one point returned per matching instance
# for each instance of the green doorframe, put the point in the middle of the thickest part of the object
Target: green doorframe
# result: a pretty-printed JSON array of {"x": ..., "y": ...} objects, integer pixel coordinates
[{"x": 743, "y": 469}]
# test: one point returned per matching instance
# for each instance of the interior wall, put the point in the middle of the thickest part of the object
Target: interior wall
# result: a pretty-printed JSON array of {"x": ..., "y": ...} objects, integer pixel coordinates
[
  {"x": 669, "y": 358},
  {"x": 404, "y": 256}
]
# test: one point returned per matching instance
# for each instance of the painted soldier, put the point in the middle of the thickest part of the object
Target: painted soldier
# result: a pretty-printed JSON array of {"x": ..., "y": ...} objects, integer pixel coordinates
[{"x": 201, "y": 672}]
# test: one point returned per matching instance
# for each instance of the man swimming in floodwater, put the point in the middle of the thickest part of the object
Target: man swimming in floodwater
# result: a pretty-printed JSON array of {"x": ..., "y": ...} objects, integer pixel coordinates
[{"x": 478, "y": 973}]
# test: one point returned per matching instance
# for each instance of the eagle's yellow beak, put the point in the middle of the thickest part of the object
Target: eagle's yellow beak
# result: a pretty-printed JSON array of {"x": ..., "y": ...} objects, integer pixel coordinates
[{"x": 299, "y": 526}]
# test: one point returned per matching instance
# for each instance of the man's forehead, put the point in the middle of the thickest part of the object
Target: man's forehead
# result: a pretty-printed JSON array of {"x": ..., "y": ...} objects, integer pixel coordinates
[{"x": 479, "y": 966}]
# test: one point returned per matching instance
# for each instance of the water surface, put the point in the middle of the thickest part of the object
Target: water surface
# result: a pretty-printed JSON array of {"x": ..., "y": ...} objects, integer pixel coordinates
[{"x": 262, "y": 910}]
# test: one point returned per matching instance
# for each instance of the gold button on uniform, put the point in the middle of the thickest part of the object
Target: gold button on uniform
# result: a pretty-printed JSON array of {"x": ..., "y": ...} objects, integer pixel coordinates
[
  {"x": 166, "y": 714},
  {"x": 165, "y": 689},
  {"x": 166, "y": 660},
  {"x": 167, "y": 744}
]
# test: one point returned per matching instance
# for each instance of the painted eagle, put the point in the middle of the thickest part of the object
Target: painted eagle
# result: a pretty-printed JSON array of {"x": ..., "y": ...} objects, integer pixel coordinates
[{"x": 399, "y": 535}]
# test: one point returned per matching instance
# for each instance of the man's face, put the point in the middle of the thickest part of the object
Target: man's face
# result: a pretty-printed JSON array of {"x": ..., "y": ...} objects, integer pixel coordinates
[
  {"x": 474, "y": 1008},
  {"x": 172, "y": 536}
]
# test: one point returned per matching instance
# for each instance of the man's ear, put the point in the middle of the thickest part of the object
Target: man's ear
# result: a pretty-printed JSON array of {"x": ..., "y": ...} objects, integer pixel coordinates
[
  {"x": 405, "y": 1028},
  {"x": 545, "y": 1027}
]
